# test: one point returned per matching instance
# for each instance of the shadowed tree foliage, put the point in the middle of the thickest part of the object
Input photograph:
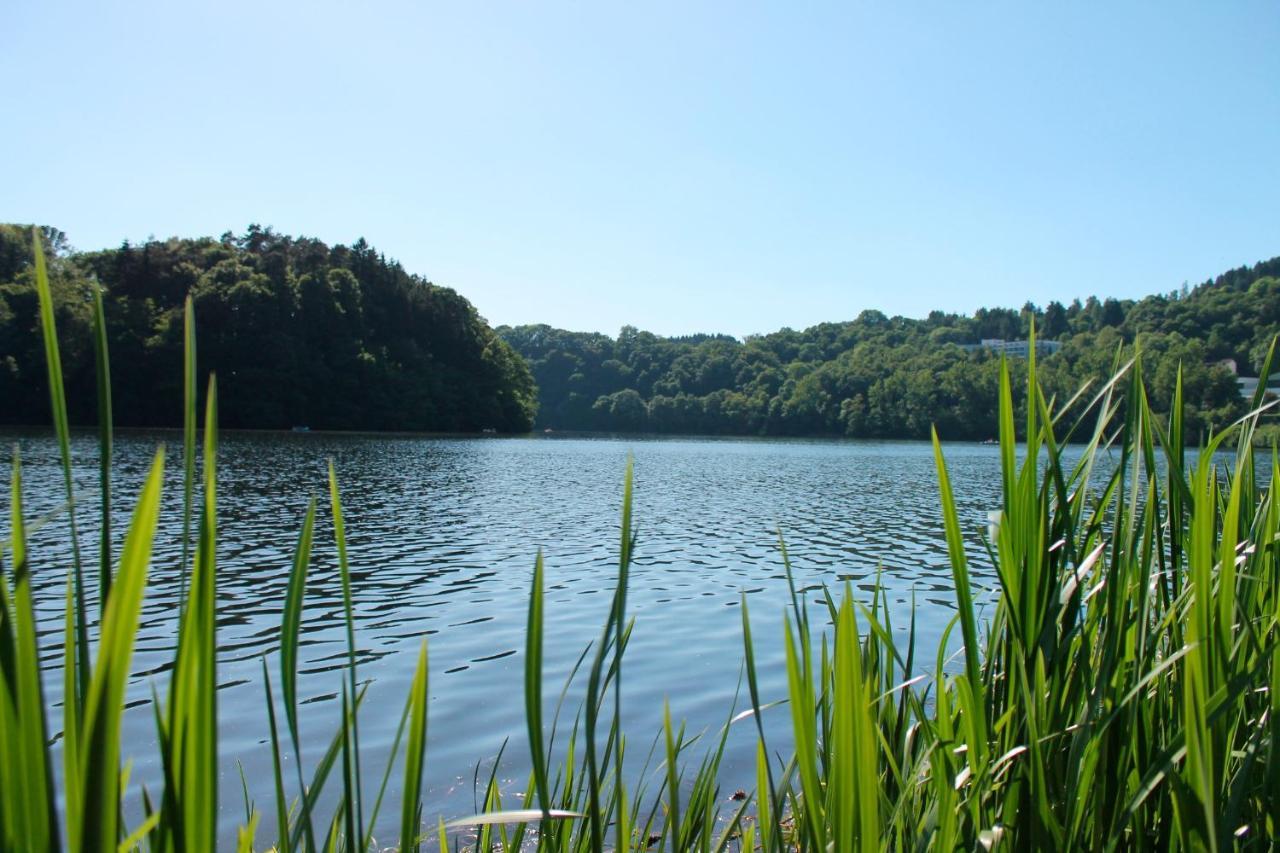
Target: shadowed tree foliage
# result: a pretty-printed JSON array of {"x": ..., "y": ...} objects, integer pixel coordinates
[{"x": 333, "y": 337}]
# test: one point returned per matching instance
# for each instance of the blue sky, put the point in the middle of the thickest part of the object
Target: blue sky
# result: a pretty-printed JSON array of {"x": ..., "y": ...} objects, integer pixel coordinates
[{"x": 681, "y": 167}]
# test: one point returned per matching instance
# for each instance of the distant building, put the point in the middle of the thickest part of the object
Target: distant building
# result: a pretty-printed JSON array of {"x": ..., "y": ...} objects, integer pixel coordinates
[
  {"x": 1249, "y": 385},
  {"x": 1017, "y": 349}
]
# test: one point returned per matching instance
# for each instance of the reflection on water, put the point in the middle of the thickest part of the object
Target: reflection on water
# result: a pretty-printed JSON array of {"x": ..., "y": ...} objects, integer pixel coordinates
[{"x": 442, "y": 537}]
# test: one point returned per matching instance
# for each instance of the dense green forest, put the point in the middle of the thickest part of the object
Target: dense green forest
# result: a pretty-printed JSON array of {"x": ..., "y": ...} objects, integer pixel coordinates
[
  {"x": 892, "y": 377},
  {"x": 342, "y": 338},
  {"x": 299, "y": 333}
]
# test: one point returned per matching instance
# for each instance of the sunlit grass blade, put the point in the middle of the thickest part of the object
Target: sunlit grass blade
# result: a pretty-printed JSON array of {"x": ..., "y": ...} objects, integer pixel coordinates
[
  {"x": 72, "y": 806},
  {"x": 192, "y": 727},
  {"x": 858, "y": 783},
  {"x": 290, "y": 627},
  {"x": 673, "y": 826},
  {"x": 621, "y": 627},
  {"x": 58, "y": 404},
  {"x": 104, "y": 705},
  {"x": 609, "y": 650},
  {"x": 766, "y": 792},
  {"x": 189, "y": 391},
  {"x": 1008, "y": 437},
  {"x": 533, "y": 687},
  {"x": 804, "y": 722},
  {"x": 349, "y": 619},
  {"x": 102, "y": 367},
  {"x": 960, "y": 564},
  {"x": 28, "y": 817},
  {"x": 351, "y": 832},
  {"x": 1032, "y": 433},
  {"x": 245, "y": 835},
  {"x": 411, "y": 804}
]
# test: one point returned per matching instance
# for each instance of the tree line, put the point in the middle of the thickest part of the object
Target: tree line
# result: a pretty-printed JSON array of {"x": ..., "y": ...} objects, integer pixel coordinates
[
  {"x": 894, "y": 377},
  {"x": 340, "y": 337},
  {"x": 299, "y": 333}
]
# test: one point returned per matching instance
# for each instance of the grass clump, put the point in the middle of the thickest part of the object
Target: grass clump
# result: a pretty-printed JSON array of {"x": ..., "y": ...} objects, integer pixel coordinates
[{"x": 1125, "y": 693}]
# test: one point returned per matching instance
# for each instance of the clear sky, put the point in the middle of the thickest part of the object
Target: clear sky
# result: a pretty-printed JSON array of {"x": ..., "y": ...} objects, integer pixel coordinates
[{"x": 681, "y": 166}]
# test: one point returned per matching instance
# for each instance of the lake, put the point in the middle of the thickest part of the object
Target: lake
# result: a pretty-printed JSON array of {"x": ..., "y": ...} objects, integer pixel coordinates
[{"x": 442, "y": 538}]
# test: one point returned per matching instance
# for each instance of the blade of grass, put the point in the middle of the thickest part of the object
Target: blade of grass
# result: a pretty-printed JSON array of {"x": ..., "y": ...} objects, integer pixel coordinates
[
  {"x": 193, "y": 708},
  {"x": 282, "y": 804},
  {"x": 769, "y": 799},
  {"x": 73, "y": 806},
  {"x": 102, "y": 367},
  {"x": 189, "y": 390},
  {"x": 344, "y": 572},
  {"x": 411, "y": 805},
  {"x": 959, "y": 562},
  {"x": 290, "y": 626},
  {"x": 104, "y": 704},
  {"x": 58, "y": 403},
  {"x": 29, "y": 794},
  {"x": 533, "y": 687},
  {"x": 386, "y": 776}
]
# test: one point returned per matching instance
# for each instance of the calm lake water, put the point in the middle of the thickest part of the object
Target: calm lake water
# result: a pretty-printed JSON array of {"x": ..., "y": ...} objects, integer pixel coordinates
[{"x": 442, "y": 537}]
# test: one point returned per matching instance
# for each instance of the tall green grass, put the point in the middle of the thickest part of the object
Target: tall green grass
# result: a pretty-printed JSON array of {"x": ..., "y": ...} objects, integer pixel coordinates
[{"x": 1124, "y": 694}]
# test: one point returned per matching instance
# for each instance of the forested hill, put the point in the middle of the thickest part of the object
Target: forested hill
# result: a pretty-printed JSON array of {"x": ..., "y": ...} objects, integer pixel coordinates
[
  {"x": 892, "y": 377},
  {"x": 299, "y": 333}
]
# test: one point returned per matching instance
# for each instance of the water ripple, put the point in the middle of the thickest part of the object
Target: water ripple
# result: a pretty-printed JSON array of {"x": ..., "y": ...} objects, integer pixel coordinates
[{"x": 442, "y": 538}]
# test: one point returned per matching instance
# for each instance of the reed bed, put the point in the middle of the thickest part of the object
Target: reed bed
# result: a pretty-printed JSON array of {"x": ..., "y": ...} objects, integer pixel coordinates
[{"x": 1125, "y": 694}]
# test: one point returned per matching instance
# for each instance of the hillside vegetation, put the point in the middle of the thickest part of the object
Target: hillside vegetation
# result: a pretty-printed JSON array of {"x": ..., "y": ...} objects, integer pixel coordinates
[
  {"x": 332, "y": 337},
  {"x": 891, "y": 377},
  {"x": 342, "y": 338}
]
